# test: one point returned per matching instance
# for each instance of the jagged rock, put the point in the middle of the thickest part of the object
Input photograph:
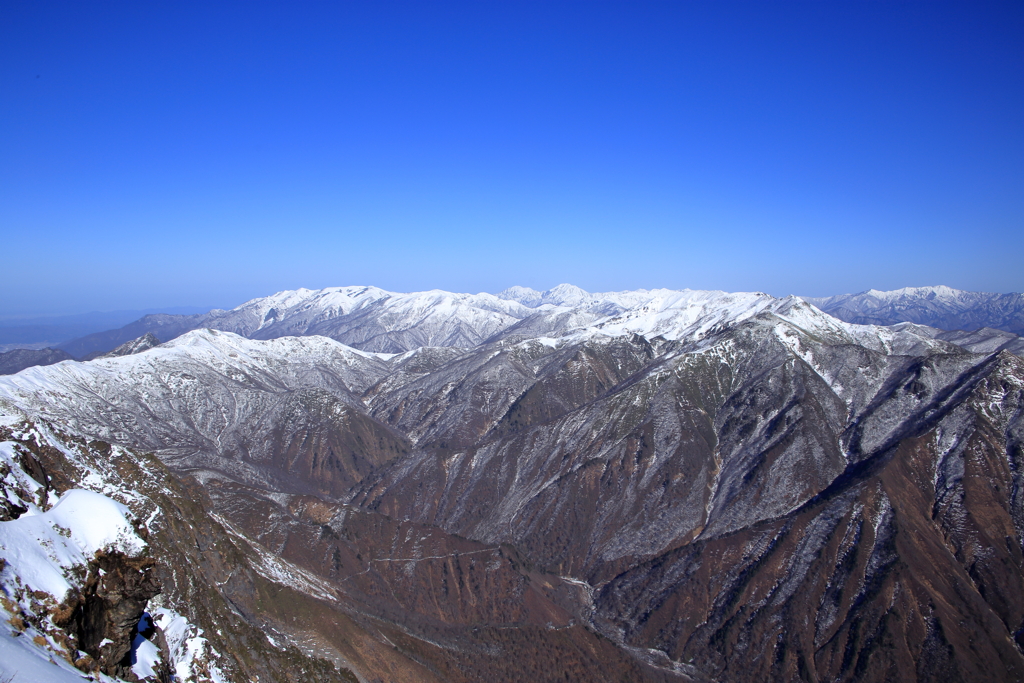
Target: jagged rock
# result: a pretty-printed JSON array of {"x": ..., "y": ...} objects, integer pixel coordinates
[
  {"x": 143, "y": 343},
  {"x": 113, "y": 598},
  {"x": 23, "y": 481}
]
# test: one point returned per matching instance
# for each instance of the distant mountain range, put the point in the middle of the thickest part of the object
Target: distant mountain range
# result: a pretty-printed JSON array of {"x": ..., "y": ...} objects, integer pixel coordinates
[
  {"x": 942, "y": 307},
  {"x": 373, "y": 319},
  {"x": 376, "y": 320},
  {"x": 17, "y": 360}
]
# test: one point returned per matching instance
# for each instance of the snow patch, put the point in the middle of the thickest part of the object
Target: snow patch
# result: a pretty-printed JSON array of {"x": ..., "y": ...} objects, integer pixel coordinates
[
  {"x": 191, "y": 654},
  {"x": 146, "y": 657}
]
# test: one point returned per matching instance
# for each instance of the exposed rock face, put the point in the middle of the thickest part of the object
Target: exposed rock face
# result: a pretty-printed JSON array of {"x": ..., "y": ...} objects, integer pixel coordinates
[
  {"x": 907, "y": 567},
  {"x": 754, "y": 513},
  {"x": 114, "y": 597},
  {"x": 453, "y": 609}
]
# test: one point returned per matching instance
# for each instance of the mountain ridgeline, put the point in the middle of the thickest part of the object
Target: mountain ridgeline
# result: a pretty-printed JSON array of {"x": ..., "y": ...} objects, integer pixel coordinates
[
  {"x": 361, "y": 316},
  {"x": 634, "y": 486}
]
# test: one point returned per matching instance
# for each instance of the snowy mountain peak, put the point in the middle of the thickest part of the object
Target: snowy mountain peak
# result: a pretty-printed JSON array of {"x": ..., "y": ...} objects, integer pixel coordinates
[
  {"x": 524, "y": 295},
  {"x": 561, "y": 295},
  {"x": 566, "y": 295},
  {"x": 336, "y": 299}
]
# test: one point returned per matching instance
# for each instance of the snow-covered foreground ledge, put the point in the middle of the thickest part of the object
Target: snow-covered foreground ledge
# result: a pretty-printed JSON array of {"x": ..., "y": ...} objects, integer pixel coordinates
[
  {"x": 45, "y": 559},
  {"x": 49, "y": 551}
]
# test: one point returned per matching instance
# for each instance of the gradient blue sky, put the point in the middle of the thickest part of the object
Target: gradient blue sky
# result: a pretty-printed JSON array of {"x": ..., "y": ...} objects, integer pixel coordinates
[{"x": 204, "y": 153}]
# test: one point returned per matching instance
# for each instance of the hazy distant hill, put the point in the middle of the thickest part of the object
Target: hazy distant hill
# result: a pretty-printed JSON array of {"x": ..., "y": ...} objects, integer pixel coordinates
[
  {"x": 19, "y": 359},
  {"x": 39, "y": 331},
  {"x": 161, "y": 325}
]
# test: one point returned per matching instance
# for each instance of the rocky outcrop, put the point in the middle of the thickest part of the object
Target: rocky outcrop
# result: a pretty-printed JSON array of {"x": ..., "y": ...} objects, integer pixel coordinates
[
  {"x": 143, "y": 343},
  {"x": 105, "y": 613},
  {"x": 192, "y": 564}
]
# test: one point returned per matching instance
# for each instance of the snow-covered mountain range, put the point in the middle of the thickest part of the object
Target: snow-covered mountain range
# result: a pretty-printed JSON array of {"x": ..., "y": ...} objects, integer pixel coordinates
[
  {"x": 651, "y": 485},
  {"x": 376, "y": 320},
  {"x": 373, "y": 319}
]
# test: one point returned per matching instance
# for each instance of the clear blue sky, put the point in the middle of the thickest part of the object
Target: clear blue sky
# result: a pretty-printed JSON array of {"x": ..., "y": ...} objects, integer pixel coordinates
[{"x": 203, "y": 153}]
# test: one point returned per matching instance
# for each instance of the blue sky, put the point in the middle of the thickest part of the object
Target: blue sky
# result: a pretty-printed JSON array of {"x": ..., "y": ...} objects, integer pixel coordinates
[{"x": 162, "y": 154}]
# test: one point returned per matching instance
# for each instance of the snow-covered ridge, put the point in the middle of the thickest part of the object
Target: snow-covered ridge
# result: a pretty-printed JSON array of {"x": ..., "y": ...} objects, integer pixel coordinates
[
  {"x": 374, "y": 318},
  {"x": 322, "y": 311},
  {"x": 377, "y": 320},
  {"x": 205, "y": 390},
  {"x": 218, "y": 392},
  {"x": 938, "y": 291},
  {"x": 565, "y": 310},
  {"x": 938, "y": 295},
  {"x": 223, "y": 395},
  {"x": 207, "y": 349}
]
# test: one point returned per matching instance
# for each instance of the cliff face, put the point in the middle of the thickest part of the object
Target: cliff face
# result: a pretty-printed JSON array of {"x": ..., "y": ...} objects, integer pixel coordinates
[{"x": 113, "y": 598}]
